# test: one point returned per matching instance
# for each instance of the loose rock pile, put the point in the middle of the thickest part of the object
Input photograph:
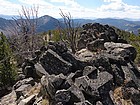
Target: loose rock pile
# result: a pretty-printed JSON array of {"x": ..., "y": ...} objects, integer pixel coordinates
[{"x": 102, "y": 72}]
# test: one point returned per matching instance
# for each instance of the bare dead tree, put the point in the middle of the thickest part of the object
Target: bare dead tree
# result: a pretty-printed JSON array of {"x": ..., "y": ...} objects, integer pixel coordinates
[
  {"x": 70, "y": 30},
  {"x": 24, "y": 40}
]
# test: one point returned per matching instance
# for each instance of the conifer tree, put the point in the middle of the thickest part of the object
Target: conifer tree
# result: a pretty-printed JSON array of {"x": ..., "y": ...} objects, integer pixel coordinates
[{"x": 7, "y": 68}]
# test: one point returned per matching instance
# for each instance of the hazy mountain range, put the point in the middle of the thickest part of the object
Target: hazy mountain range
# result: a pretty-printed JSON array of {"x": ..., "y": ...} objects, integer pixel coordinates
[{"x": 46, "y": 23}]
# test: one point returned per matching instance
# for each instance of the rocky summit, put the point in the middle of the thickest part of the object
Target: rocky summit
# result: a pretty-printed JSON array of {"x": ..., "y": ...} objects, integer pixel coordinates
[{"x": 101, "y": 72}]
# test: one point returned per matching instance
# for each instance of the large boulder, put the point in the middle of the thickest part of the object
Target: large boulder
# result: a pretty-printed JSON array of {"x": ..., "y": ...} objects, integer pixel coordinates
[
  {"x": 96, "y": 45},
  {"x": 52, "y": 83},
  {"x": 125, "y": 50},
  {"x": 54, "y": 64},
  {"x": 58, "y": 47},
  {"x": 77, "y": 64}
]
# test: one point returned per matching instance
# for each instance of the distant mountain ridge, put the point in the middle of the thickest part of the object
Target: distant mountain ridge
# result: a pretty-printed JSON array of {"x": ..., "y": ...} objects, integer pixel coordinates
[
  {"x": 119, "y": 23},
  {"x": 47, "y": 22},
  {"x": 44, "y": 24}
]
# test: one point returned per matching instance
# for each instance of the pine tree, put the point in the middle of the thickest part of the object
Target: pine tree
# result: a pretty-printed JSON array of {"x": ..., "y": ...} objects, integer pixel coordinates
[{"x": 7, "y": 68}]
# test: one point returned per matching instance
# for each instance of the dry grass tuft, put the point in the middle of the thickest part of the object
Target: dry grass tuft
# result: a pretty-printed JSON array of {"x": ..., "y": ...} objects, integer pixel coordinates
[{"x": 118, "y": 97}]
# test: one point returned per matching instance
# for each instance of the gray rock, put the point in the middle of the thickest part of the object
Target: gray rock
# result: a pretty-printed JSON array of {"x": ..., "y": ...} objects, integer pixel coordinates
[
  {"x": 90, "y": 86},
  {"x": 71, "y": 78},
  {"x": 77, "y": 64},
  {"x": 28, "y": 68},
  {"x": 47, "y": 87},
  {"x": 130, "y": 75},
  {"x": 58, "y": 47},
  {"x": 54, "y": 64},
  {"x": 24, "y": 82},
  {"x": 83, "y": 103},
  {"x": 91, "y": 72},
  {"x": 9, "y": 99},
  {"x": 76, "y": 94},
  {"x": 135, "y": 96},
  {"x": 38, "y": 101},
  {"x": 62, "y": 96},
  {"x": 85, "y": 55},
  {"x": 103, "y": 78},
  {"x": 22, "y": 90},
  {"x": 52, "y": 83},
  {"x": 40, "y": 71},
  {"x": 82, "y": 82},
  {"x": 28, "y": 71},
  {"x": 104, "y": 83},
  {"x": 115, "y": 59},
  {"x": 112, "y": 45},
  {"x": 102, "y": 60},
  {"x": 21, "y": 76},
  {"x": 104, "y": 90},
  {"x": 28, "y": 101},
  {"x": 124, "y": 50},
  {"x": 59, "y": 103},
  {"x": 99, "y": 103},
  {"x": 101, "y": 31},
  {"x": 81, "y": 44},
  {"x": 120, "y": 40},
  {"x": 96, "y": 45},
  {"x": 104, "y": 36},
  {"x": 118, "y": 75}
]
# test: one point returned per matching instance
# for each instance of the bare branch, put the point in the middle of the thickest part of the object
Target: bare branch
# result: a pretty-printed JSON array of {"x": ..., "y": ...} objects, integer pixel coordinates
[
  {"x": 70, "y": 31},
  {"x": 25, "y": 38}
]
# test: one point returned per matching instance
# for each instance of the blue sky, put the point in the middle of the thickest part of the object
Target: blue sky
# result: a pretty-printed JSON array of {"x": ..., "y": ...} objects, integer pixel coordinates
[{"x": 77, "y": 8}]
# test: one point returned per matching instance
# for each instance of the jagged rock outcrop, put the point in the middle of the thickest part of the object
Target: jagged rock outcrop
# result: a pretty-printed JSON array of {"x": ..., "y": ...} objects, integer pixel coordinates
[
  {"x": 24, "y": 92},
  {"x": 102, "y": 72}
]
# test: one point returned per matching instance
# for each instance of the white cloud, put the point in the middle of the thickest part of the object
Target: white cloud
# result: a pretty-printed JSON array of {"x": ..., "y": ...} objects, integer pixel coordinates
[
  {"x": 71, "y": 3},
  {"x": 48, "y": 8},
  {"x": 117, "y": 5},
  {"x": 45, "y": 8},
  {"x": 117, "y": 8},
  {"x": 112, "y": 8},
  {"x": 8, "y": 8},
  {"x": 112, "y": 0}
]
